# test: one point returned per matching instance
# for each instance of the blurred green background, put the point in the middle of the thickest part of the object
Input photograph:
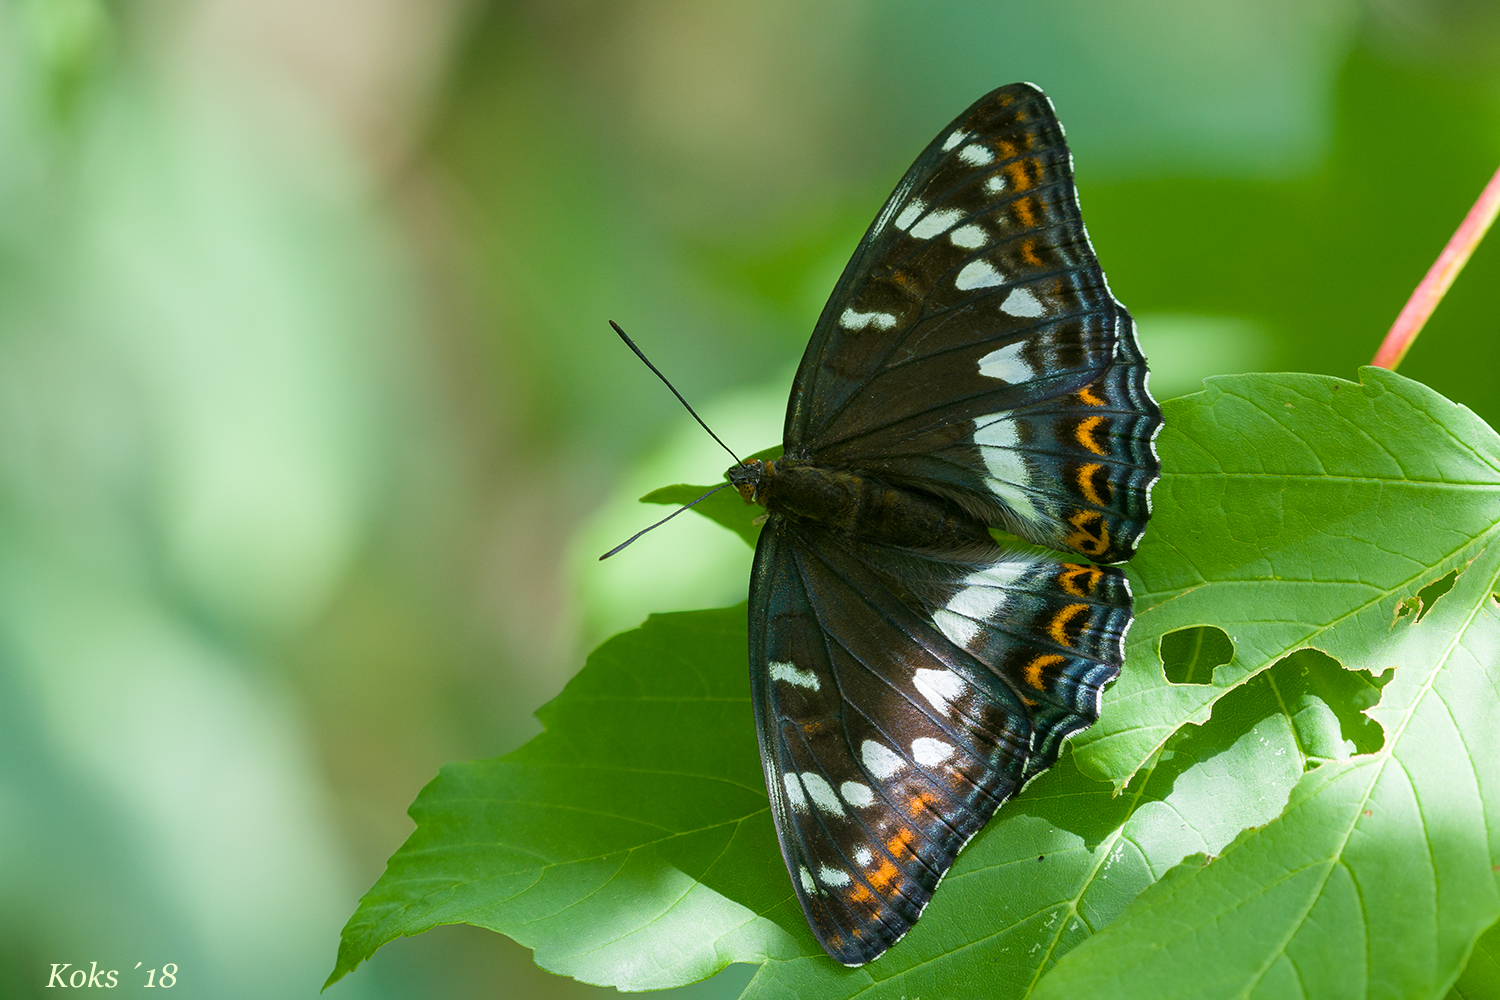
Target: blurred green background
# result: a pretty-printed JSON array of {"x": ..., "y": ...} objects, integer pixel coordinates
[{"x": 311, "y": 427}]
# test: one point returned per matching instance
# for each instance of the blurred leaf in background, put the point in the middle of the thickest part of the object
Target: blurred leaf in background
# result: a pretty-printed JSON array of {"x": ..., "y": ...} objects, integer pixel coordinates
[{"x": 311, "y": 427}]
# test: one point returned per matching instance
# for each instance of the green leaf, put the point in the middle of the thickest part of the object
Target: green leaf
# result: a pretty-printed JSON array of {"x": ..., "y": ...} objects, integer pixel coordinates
[
  {"x": 1481, "y": 978},
  {"x": 726, "y": 507},
  {"x": 630, "y": 844},
  {"x": 1293, "y": 511},
  {"x": 1380, "y": 874}
]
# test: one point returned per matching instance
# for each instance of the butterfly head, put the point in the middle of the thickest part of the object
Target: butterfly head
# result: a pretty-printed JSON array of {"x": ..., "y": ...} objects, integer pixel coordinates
[{"x": 748, "y": 477}]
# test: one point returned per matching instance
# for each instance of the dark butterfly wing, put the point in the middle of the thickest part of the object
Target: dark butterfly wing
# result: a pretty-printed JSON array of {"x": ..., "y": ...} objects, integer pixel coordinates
[
  {"x": 900, "y": 697},
  {"x": 972, "y": 347},
  {"x": 1052, "y": 630},
  {"x": 972, "y": 350}
]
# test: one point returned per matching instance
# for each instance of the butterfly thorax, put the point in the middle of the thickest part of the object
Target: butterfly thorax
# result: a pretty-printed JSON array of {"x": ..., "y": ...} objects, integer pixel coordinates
[{"x": 857, "y": 504}]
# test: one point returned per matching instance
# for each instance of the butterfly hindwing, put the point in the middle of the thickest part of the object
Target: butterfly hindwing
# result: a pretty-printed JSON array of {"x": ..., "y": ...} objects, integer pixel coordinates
[
  {"x": 1052, "y": 630},
  {"x": 972, "y": 316},
  {"x": 901, "y": 697}
]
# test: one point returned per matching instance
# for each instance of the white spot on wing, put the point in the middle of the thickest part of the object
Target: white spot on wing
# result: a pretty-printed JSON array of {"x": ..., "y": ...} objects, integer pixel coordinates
[
  {"x": 863, "y": 856},
  {"x": 978, "y": 274},
  {"x": 999, "y": 442},
  {"x": 958, "y": 136},
  {"x": 930, "y": 752},
  {"x": 853, "y": 320},
  {"x": 955, "y": 627},
  {"x": 936, "y": 222},
  {"x": 822, "y": 793},
  {"x": 995, "y": 184},
  {"x": 1007, "y": 364},
  {"x": 939, "y": 687},
  {"x": 794, "y": 791},
  {"x": 788, "y": 673},
  {"x": 980, "y": 601},
  {"x": 808, "y": 885},
  {"x": 1000, "y": 574},
  {"x": 856, "y": 794},
  {"x": 880, "y": 760},
  {"x": 1022, "y": 302},
  {"x": 969, "y": 237},
  {"x": 976, "y": 156},
  {"x": 834, "y": 876},
  {"x": 1000, "y": 431},
  {"x": 909, "y": 214}
]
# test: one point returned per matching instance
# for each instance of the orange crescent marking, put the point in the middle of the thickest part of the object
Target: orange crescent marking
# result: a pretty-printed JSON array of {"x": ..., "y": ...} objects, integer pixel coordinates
[
  {"x": 1036, "y": 666},
  {"x": 1058, "y": 626},
  {"x": 1068, "y": 579},
  {"x": 1085, "y": 435},
  {"x": 1029, "y": 254},
  {"x": 1086, "y": 484},
  {"x": 861, "y": 894},
  {"x": 1082, "y": 538},
  {"x": 1086, "y": 394},
  {"x": 897, "y": 844}
]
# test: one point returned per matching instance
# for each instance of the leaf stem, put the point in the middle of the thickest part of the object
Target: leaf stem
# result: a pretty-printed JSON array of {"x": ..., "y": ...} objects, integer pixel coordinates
[{"x": 1430, "y": 292}]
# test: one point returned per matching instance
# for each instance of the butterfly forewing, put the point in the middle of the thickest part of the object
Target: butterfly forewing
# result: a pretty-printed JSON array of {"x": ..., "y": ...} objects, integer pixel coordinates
[
  {"x": 973, "y": 304},
  {"x": 1081, "y": 465}
]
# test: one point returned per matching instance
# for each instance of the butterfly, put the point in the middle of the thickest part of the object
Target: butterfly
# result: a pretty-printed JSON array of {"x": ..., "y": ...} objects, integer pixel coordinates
[{"x": 971, "y": 370}]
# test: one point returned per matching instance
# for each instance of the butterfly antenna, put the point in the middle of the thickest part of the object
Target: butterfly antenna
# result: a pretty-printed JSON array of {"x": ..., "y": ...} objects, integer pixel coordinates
[
  {"x": 664, "y": 520},
  {"x": 631, "y": 344}
]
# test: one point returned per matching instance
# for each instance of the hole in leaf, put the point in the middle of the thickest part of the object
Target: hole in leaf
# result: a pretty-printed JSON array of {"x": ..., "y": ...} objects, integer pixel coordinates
[
  {"x": 1326, "y": 703},
  {"x": 1190, "y": 655},
  {"x": 1429, "y": 594}
]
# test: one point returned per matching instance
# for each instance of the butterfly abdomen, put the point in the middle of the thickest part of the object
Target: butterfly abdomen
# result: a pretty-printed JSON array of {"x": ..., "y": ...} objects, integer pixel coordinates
[{"x": 859, "y": 505}]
